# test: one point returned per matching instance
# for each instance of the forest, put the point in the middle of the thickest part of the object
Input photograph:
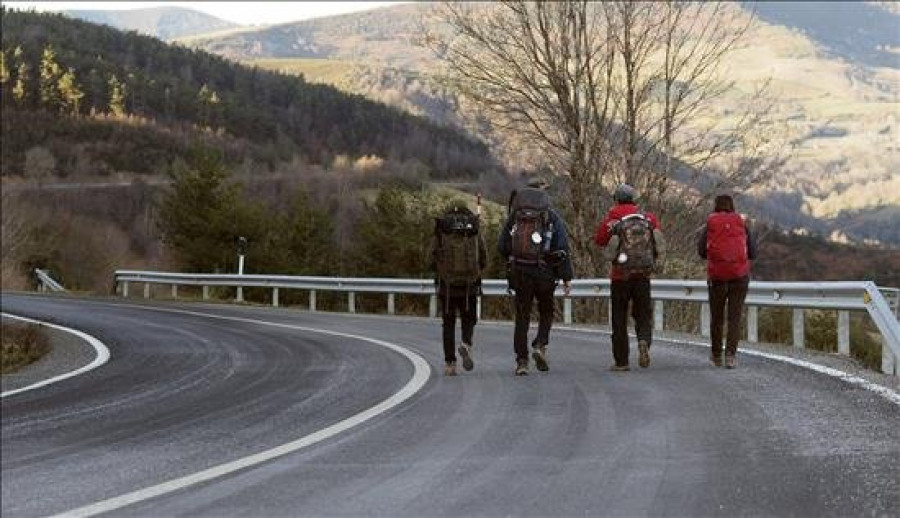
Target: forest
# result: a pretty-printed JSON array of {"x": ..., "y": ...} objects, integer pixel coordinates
[{"x": 83, "y": 97}]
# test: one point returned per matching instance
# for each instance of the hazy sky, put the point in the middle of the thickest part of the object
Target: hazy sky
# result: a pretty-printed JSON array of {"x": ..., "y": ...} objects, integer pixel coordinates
[{"x": 245, "y": 13}]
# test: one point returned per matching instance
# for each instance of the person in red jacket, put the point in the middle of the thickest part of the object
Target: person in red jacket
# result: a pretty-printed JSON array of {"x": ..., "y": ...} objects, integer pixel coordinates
[
  {"x": 628, "y": 285},
  {"x": 728, "y": 247}
]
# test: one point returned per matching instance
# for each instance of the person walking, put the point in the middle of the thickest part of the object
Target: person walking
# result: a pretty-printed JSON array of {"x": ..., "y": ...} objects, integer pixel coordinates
[
  {"x": 634, "y": 244},
  {"x": 459, "y": 258},
  {"x": 535, "y": 242},
  {"x": 728, "y": 247}
]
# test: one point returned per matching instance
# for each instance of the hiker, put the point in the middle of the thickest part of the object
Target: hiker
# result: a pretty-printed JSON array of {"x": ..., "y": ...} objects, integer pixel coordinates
[
  {"x": 635, "y": 246},
  {"x": 536, "y": 245},
  {"x": 459, "y": 256},
  {"x": 728, "y": 246}
]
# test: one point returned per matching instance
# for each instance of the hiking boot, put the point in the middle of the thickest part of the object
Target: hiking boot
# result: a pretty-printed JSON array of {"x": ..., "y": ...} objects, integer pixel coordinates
[
  {"x": 521, "y": 367},
  {"x": 716, "y": 359},
  {"x": 620, "y": 368},
  {"x": 729, "y": 360},
  {"x": 450, "y": 369},
  {"x": 540, "y": 358},
  {"x": 465, "y": 352},
  {"x": 643, "y": 354}
]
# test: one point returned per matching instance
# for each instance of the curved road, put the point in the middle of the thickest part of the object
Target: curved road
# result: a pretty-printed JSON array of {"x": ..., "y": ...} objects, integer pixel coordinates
[{"x": 184, "y": 392}]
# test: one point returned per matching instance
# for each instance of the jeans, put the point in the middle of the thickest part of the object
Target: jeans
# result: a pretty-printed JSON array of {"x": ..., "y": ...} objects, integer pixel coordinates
[
  {"x": 466, "y": 308},
  {"x": 530, "y": 284},
  {"x": 636, "y": 291},
  {"x": 726, "y": 297}
]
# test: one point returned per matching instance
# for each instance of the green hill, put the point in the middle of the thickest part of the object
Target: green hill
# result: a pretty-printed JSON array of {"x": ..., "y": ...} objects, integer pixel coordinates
[{"x": 81, "y": 93}]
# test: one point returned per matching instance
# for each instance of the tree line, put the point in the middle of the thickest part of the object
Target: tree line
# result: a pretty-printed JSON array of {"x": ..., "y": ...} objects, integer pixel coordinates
[{"x": 68, "y": 68}]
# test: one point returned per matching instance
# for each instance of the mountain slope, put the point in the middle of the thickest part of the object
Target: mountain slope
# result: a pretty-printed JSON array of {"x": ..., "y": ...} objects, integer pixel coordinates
[
  {"x": 165, "y": 23},
  {"x": 839, "y": 117},
  {"x": 257, "y": 115}
]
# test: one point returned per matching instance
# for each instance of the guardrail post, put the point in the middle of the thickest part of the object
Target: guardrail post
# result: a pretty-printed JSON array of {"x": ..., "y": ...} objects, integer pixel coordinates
[
  {"x": 125, "y": 289},
  {"x": 843, "y": 332},
  {"x": 391, "y": 308},
  {"x": 312, "y": 300},
  {"x": 478, "y": 308},
  {"x": 240, "y": 294},
  {"x": 275, "y": 297},
  {"x": 798, "y": 328},
  {"x": 206, "y": 293},
  {"x": 146, "y": 290},
  {"x": 704, "y": 319},
  {"x": 567, "y": 310},
  {"x": 888, "y": 362},
  {"x": 752, "y": 324},
  {"x": 351, "y": 302},
  {"x": 658, "y": 315},
  {"x": 174, "y": 291},
  {"x": 432, "y": 306}
]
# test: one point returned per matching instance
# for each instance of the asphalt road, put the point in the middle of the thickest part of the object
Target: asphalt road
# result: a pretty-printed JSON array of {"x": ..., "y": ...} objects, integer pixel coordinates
[{"x": 184, "y": 392}]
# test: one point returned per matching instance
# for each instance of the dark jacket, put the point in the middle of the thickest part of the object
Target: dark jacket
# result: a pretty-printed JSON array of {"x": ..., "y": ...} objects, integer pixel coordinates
[{"x": 559, "y": 242}]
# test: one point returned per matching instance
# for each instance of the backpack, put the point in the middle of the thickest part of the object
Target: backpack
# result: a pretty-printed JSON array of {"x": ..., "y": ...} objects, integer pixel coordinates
[
  {"x": 456, "y": 255},
  {"x": 637, "y": 250},
  {"x": 531, "y": 231},
  {"x": 726, "y": 245}
]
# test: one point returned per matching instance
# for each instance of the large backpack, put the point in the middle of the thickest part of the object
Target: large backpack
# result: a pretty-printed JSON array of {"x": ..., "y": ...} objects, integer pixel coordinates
[
  {"x": 531, "y": 231},
  {"x": 456, "y": 255},
  {"x": 726, "y": 246},
  {"x": 637, "y": 250}
]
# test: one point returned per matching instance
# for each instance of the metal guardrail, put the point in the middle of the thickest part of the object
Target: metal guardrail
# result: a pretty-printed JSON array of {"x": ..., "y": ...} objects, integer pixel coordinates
[
  {"x": 46, "y": 282},
  {"x": 840, "y": 296}
]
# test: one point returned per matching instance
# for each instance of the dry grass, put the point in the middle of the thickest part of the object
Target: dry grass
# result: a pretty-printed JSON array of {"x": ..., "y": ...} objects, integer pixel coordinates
[{"x": 22, "y": 344}]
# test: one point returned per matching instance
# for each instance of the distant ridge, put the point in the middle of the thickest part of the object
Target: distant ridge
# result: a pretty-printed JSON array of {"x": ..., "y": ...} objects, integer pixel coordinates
[{"x": 165, "y": 23}]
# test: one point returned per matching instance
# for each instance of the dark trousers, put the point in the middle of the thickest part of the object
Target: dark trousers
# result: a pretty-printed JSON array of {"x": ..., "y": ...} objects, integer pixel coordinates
[
  {"x": 532, "y": 284},
  {"x": 636, "y": 291},
  {"x": 726, "y": 299},
  {"x": 465, "y": 307}
]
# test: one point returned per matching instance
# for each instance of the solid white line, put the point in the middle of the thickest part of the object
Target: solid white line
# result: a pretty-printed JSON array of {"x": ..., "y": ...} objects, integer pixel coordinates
[
  {"x": 101, "y": 358},
  {"x": 420, "y": 376},
  {"x": 890, "y": 395}
]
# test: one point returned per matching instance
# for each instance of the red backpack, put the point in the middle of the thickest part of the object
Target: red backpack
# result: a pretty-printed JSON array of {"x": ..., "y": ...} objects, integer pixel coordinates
[{"x": 726, "y": 246}]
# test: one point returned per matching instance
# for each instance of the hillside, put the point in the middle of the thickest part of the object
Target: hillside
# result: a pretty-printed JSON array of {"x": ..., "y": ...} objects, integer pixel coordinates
[
  {"x": 80, "y": 96},
  {"x": 164, "y": 23},
  {"x": 838, "y": 118}
]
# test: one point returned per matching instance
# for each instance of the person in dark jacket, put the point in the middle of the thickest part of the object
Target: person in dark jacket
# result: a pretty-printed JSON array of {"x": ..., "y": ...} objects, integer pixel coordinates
[
  {"x": 728, "y": 247},
  {"x": 536, "y": 281},
  {"x": 459, "y": 300},
  {"x": 628, "y": 287}
]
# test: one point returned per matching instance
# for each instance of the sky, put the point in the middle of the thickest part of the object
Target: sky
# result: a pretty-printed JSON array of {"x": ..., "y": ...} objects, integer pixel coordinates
[{"x": 244, "y": 13}]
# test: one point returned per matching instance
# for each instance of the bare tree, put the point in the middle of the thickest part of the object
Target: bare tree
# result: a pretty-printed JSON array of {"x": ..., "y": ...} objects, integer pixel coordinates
[{"x": 611, "y": 92}]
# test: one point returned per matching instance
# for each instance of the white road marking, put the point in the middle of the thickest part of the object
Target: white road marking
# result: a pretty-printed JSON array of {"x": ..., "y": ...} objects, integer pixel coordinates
[
  {"x": 420, "y": 376},
  {"x": 101, "y": 358},
  {"x": 890, "y": 395}
]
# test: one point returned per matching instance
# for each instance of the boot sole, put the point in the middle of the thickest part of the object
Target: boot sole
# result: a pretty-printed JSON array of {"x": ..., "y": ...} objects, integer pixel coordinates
[{"x": 467, "y": 362}]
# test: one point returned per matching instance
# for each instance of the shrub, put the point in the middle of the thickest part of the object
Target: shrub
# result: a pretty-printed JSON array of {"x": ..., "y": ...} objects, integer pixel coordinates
[{"x": 21, "y": 345}]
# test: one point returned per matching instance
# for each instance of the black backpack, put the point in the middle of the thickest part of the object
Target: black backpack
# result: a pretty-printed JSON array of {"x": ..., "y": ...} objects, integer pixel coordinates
[
  {"x": 456, "y": 255},
  {"x": 531, "y": 231},
  {"x": 637, "y": 250}
]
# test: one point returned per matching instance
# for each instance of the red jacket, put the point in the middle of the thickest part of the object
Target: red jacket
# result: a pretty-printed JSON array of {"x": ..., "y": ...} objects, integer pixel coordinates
[
  {"x": 604, "y": 231},
  {"x": 728, "y": 246}
]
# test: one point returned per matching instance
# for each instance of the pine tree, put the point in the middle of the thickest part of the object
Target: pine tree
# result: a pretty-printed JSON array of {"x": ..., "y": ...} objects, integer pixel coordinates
[
  {"x": 70, "y": 93},
  {"x": 49, "y": 83},
  {"x": 4, "y": 71},
  {"x": 116, "y": 96},
  {"x": 19, "y": 89}
]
